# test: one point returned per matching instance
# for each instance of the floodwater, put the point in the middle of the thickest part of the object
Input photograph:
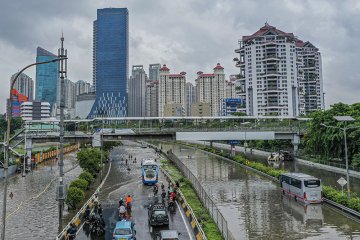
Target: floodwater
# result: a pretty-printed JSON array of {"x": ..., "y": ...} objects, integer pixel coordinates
[
  {"x": 32, "y": 213},
  {"x": 254, "y": 206}
]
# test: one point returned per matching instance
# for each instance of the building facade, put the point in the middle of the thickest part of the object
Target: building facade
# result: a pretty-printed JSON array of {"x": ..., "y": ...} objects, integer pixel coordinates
[
  {"x": 110, "y": 67},
  {"x": 136, "y": 92},
  {"x": 24, "y": 85},
  {"x": 211, "y": 88},
  {"x": 201, "y": 109},
  {"x": 174, "y": 110},
  {"x": 35, "y": 110},
  {"x": 47, "y": 75},
  {"x": 82, "y": 87},
  {"x": 190, "y": 96},
  {"x": 230, "y": 106},
  {"x": 83, "y": 105},
  {"x": 152, "y": 98},
  {"x": 171, "y": 89},
  {"x": 273, "y": 77},
  {"x": 17, "y": 99},
  {"x": 154, "y": 71}
]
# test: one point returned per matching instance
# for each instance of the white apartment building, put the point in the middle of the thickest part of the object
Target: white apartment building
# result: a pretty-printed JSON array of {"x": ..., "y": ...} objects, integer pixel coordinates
[
  {"x": 211, "y": 88},
  {"x": 136, "y": 92},
  {"x": 190, "y": 95},
  {"x": 171, "y": 89},
  {"x": 152, "y": 98},
  {"x": 272, "y": 74},
  {"x": 82, "y": 87},
  {"x": 35, "y": 110}
]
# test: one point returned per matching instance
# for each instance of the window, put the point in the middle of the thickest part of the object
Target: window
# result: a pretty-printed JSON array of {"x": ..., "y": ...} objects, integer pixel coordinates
[
  {"x": 296, "y": 183},
  {"x": 312, "y": 183}
]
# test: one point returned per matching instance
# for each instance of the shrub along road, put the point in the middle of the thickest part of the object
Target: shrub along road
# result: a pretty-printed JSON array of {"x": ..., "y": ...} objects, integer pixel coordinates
[{"x": 121, "y": 182}]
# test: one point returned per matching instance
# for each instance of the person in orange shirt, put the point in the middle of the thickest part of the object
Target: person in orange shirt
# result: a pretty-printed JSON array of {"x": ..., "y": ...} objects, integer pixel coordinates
[{"x": 128, "y": 202}]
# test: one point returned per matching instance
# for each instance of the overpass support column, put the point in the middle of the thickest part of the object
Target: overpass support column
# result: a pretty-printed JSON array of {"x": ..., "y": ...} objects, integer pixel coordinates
[
  {"x": 211, "y": 144},
  {"x": 28, "y": 147},
  {"x": 296, "y": 141}
]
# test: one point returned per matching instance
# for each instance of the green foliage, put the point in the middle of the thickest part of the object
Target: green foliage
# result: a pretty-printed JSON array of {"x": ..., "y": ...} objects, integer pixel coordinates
[
  {"x": 331, "y": 139},
  {"x": 356, "y": 160},
  {"x": 79, "y": 183},
  {"x": 74, "y": 197},
  {"x": 339, "y": 197},
  {"x": 87, "y": 176},
  {"x": 90, "y": 159}
]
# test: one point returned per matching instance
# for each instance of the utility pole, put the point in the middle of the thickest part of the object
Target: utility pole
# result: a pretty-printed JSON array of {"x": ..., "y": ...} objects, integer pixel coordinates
[{"x": 62, "y": 53}]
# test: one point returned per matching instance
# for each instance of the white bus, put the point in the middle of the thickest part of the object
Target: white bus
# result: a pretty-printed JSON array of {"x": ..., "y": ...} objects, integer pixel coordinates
[
  {"x": 149, "y": 172},
  {"x": 302, "y": 187}
]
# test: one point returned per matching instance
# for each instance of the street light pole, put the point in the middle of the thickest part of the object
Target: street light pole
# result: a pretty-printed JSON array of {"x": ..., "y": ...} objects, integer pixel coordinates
[
  {"x": 347, "y": 165},
  {"x": 7, "y": 142}
]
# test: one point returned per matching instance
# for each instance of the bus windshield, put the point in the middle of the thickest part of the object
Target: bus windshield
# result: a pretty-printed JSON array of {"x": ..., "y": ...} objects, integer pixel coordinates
[
  {"x": 149, "y": 167},
  {"x": 312, "y": 183}
]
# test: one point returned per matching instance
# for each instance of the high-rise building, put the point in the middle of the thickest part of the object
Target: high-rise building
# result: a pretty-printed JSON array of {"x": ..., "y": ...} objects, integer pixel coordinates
[
  {"x": 190, "y": 96},
  {"x": 211, "y": 88},
  {"x": 25, "y": 85},
  {"x": 69, "y": 93},
  {"x": 46, "y": 77},
  {"x": 152, "y": 98},
  {"x": 154, "y": 71},
  {"x": 82, "y": 87},
  {"x": 110, "y": 66},
  {"x": 171, "y": 89},
  {"x": 279, "y": 74},
  {"x": 17, "y": 99},
  {"x": 136, "y": 92}
]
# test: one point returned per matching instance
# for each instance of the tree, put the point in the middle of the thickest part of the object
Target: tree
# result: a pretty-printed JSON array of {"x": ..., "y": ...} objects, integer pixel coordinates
[
  {"x": 86, "y": 176},
  {"x": 74, "y": 196},
  {"x": 79, "y": 183}
]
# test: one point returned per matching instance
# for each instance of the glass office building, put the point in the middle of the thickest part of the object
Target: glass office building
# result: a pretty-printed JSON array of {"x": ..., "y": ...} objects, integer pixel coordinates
[
  {"x": 110, "y": 62},
  {"x": 46, "y": 77}
]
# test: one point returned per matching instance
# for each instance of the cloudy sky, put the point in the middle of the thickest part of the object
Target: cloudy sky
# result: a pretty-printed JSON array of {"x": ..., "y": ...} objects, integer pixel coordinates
[{"x": 187, "y": 35}]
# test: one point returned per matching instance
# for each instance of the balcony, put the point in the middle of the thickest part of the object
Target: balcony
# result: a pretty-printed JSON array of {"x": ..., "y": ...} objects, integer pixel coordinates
[{"x": 270, "y": 56}]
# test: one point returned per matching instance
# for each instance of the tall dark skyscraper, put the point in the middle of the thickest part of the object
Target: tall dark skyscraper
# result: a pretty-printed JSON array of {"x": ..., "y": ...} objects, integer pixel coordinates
[
  {"x": 110, "y": 62},
  {"x": 46, "y": 77}
]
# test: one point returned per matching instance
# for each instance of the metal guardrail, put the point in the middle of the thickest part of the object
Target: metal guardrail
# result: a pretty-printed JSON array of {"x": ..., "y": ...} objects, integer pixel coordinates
[
  {"x": 342, "y": 207},
  {"x": 77, "y": 217},
  {"x": 204, "y": 197},
  {"x": 201, "y": 232}
]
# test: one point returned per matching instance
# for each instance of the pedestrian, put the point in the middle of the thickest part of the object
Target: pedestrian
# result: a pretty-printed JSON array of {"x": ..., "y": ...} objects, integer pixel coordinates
[{"x": 126, "y": 162}]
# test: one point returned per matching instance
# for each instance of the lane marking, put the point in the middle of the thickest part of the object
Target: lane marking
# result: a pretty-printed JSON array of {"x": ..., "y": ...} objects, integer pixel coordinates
[{"x": 186, "y": 225}]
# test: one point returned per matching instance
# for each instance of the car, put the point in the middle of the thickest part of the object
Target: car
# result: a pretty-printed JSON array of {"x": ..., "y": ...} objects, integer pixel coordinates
[
  {"x": 168, "y": 235},
  {"x": 158, "y": 214},
  {"x": 124, "y": 230}
]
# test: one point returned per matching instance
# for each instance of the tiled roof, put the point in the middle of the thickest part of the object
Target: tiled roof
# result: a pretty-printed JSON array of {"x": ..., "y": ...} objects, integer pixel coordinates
[
  {"x": 164, "y": 68},
  {"x": 218, "y": 66},
  {"x": 265, "y": 29}
]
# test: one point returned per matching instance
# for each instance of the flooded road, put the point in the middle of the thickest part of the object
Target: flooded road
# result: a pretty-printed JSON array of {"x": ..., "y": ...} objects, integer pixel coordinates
[
  {"x": 33, "y": 211},
  {"x": 122, "y": 182},
  {"x": 328, "y": 178},
  {"x": 254, "y": 206}
]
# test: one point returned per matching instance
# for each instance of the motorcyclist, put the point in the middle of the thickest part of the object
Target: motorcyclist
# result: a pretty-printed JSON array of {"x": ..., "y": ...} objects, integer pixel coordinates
[
  {"x": 121, "y": 202},
  {"x": 163, "y": 194},
  {"x": 87, "y": 212},
  {"x": 162, "y": 186},
  {"x": 71, "y": 232},
  {"x": 173, "y": 196},
  {"x": 128, "y": 202},
  {"x": 122, "y": 212},
  {"x": 155, "y": 189},
  {"x": 100, "y": 210}
]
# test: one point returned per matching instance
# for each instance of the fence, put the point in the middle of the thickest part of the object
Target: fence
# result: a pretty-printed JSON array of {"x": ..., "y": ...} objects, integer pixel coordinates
[{"x": 204, "y": 197}]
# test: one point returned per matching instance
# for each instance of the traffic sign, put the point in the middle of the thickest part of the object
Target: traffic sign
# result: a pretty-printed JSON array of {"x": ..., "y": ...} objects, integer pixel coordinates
[{"x": 342, "y": 181}]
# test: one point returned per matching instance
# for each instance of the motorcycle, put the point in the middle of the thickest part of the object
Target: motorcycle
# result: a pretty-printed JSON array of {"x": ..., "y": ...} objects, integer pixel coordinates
[
  {"x": 155, "y": 190},
  {"x": 97, "y": 227},
  {"x": 172, "y": 205}
]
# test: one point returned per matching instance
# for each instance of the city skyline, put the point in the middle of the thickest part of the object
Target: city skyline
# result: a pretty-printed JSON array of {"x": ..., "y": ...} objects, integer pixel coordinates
[{"x": 313, "y": 21}]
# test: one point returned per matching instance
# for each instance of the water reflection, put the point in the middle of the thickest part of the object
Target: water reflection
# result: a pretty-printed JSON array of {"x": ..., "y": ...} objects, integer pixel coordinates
[{"x": 254, "y": 206}]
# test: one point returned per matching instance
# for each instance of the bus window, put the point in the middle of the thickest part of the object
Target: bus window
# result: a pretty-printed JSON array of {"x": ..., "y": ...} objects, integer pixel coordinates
[
  {"x": 312, "y": 183},
  {"x": 296, "y": 183}
]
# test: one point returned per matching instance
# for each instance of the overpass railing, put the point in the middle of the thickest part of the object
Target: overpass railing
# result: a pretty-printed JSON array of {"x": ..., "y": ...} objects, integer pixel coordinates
[{"x": 204, "y": 197}]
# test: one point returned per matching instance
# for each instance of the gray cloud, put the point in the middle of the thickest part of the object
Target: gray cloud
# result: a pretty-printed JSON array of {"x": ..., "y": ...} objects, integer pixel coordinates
[{"x": 187, "y": 35}]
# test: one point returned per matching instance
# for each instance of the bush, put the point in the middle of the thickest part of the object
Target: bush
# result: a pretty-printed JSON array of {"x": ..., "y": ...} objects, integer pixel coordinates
[
  {"x": 74, "y": 196},
  {"x": 79, "y": 183},
  {"x": 90, "y": 159},
  {"x": 86, "y": 175},
  {"x": 356, "y": 160}
]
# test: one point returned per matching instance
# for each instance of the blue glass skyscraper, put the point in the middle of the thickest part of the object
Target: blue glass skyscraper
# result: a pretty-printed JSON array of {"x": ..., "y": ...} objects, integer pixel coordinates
[
  {"x": 46, "y": 77},
  {"x": 110, "y": 62}
]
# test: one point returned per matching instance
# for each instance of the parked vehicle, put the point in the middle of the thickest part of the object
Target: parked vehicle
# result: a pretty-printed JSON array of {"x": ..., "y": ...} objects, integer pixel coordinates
[
  {"x": 124, "y": 230},
  {"x": 168, "y": 235},
  {"x": 302, "y": 187},
  {"x": 158, "y": 214}
]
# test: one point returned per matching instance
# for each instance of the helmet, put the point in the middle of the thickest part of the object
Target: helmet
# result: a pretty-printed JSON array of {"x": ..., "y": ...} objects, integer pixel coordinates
[{"x": 121, "y": 199}]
